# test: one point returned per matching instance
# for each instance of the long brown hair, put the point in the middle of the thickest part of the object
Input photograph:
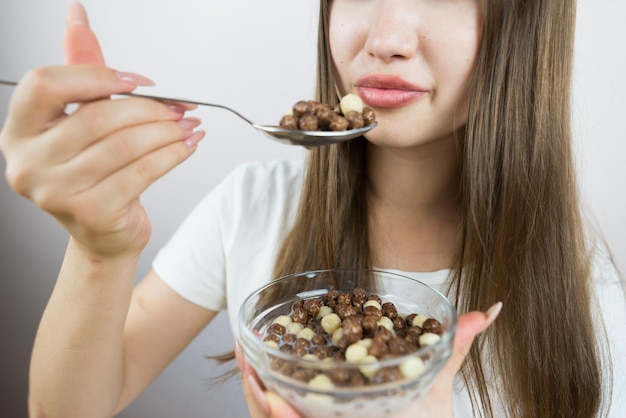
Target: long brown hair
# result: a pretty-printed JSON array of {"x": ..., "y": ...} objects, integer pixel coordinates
[{"x": 523, "y": 240}]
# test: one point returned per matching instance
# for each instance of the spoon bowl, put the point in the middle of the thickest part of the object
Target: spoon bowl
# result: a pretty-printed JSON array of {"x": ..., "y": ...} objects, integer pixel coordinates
[
  {"x": 311, "y": 138},
  {"x": 284, "y": 136}
]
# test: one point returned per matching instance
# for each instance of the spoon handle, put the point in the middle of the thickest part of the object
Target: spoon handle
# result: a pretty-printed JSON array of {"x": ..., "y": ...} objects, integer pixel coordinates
[
  {"x": 193, "y": 102},
  {"x": 163, "y": 99}
]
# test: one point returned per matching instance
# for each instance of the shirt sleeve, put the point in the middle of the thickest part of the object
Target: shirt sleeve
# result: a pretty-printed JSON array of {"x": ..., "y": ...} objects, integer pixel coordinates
[
  {"x": 226, "y": 247},
  {"x": 193, "y": 261}
]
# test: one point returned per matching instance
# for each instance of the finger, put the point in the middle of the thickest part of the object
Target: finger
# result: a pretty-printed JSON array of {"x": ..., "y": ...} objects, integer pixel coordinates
[
  {"x": 42, "y": 95},
  {"x": 255, "y": 397},
  {"x": 469, "y": 326},
  {"x": 121, "y": 149},
  {"x": 99, "y": 206},
  {"x": 239, "y": 356},
  {"x": 106, "y": 206},
  {"x": 119, "y": 190},
  {"x": 97, "y": 120},
  {"x": 57, "y": 156},
  {"x": 279, "y": 407},
  {"x": 80, "y": 44},
  {"x": 181, "y": 105},
  {"x": 472, "y": 324},
  {"x": 264, "y": 403}
]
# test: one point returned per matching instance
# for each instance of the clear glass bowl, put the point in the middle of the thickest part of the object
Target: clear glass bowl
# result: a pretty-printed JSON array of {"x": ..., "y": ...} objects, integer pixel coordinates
[{"x": 377, "y": 398}]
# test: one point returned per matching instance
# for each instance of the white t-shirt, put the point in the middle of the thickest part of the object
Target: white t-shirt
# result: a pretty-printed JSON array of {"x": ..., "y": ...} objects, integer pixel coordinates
[{"x": 226, "y": 249}]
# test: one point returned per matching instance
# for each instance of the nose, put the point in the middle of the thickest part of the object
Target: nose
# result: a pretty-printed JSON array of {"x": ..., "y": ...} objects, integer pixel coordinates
[{"x": 393, "y": 30}]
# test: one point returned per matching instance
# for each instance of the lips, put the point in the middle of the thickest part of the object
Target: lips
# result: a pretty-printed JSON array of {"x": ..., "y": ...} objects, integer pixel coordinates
[{"x": 388, "y": 91}]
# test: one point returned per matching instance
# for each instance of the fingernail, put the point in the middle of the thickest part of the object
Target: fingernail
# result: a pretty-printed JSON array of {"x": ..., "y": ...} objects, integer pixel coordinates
[
  {"x": 492, "y": 313},
  {"x": 76, "y": 15},
  {"x": 187, "y": 124},
  {"x": 193, "y": 140},
  {"x": 176, "y": 108},
  {"x": 133, "y": 78},
  {"x": 182, "y": 105},
  {"x": 258, "y": 394}
]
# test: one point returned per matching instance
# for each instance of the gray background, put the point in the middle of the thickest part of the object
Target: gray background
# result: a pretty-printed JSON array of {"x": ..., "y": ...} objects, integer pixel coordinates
[{"x": 257, "y": 56}]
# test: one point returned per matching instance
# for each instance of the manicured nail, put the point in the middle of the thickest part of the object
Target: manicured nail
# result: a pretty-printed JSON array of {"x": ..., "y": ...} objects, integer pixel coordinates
[
  {"x": 492, "y": 313},
  {"x": 188, "y": 124},
  {"x": 135, "y": 79},
  {"x": 176, "y": 108},
  {"x": 193, "y": 140},
  {"x": 258, "y": 394},
  {"x": 76, "y": 15},
  {"x": 182, "y": 105}
]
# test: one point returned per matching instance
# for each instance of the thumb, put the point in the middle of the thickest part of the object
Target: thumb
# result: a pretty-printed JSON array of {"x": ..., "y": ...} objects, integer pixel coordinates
[
  {"x": 279, "y": 407},
  {"x": 80, "y": 44},
  {"x": 469, "y": 326}
]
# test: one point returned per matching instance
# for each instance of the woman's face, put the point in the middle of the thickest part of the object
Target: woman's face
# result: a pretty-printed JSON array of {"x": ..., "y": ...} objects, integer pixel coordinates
[{"x": 409, "y": 60}]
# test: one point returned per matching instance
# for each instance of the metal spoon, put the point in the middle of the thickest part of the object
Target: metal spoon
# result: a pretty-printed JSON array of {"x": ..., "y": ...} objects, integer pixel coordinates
[{"x": 284, "y": 136}]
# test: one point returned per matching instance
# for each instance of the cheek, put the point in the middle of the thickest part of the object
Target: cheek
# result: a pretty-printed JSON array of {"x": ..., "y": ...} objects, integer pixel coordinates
[
  {"x": 339, "y": 47},
  {"x": 456, "y": 66},
  {"x": 344, "y": 46},
  {"x": 469, "y": 40},
  {"x": 468, "y": 66},
  {"x": 459, "y": 68}
]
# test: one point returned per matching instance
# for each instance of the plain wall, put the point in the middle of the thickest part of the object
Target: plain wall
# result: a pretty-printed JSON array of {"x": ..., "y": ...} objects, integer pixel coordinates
[{"x": 258, "y": 57}]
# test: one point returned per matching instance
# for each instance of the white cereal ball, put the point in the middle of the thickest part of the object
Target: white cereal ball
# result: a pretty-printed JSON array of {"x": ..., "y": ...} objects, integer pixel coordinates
[
  {"x": 271, "y": 343},
  {"x": 412, "y": 367},
  {"x": 321, "y": 382},
  {"x": 283, "y": 320},
  {"x": 337, "y": 336},
  {"x": 310, "y": 356},
  {"x": 428, "y": 338},
  {"x": 369, "y": 370},
  {"x": 294, "y": 328},
  {"x": 419, "y": 319},
  {"x": 384, "y": 321},
  {"x": 319, "y": 400},
  {"x": 331, "y": 322},
  {"x": 351, "y": 102},
  {"x": 306, "y": 333},
  {"x": 367, "y": 342},
  {"x": 372, "y": 302},
  {"x": 324, "y": 310},
  {"x": 355, "y": 353}
]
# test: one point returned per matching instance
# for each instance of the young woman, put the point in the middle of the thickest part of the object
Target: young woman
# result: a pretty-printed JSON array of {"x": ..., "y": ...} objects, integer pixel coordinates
[{"x": 467, "y": 184}]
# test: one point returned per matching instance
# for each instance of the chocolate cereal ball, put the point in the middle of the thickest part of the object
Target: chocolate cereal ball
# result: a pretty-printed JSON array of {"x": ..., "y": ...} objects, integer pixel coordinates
[
  {"x": 300, "y": 108},
  {"x": 355, "y": 120},
  {"x": 368, "y": 116},
  {"x": 288, "y": 122},
  {"x": 311, "y": 115},
  {"x": 339, "y": 123},
  {"x": 308, "y": 123}
]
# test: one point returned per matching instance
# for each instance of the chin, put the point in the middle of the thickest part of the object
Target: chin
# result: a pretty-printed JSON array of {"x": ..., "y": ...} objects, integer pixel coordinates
[
  {"x": 397, "y": 137},
  {"x": 401, "y": 135}
]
